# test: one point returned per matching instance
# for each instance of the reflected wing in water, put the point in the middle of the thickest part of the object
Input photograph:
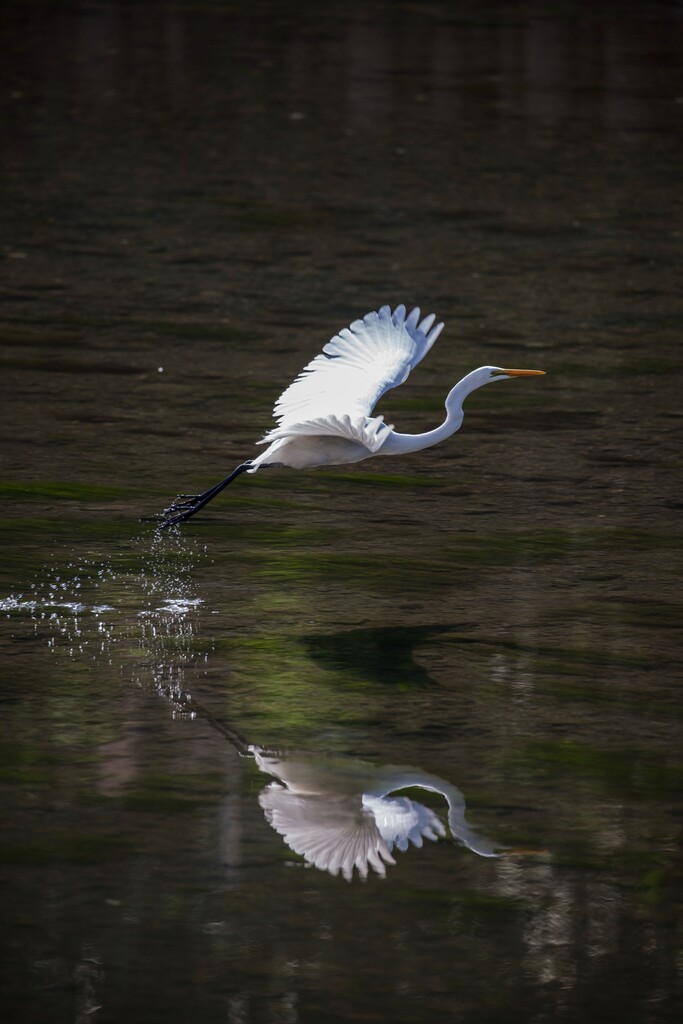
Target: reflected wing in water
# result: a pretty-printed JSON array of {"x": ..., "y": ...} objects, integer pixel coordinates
[
  {"x": 402, "y": 821},
  {"x": 333, "y": 834}
]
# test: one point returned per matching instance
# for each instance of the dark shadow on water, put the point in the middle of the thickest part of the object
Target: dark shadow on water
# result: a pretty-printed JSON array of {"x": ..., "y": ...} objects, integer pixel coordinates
[{"x": 384, "y": 656}]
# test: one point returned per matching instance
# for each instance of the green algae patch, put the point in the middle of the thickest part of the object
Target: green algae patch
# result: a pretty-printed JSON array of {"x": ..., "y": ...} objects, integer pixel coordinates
[
  {"x": 57, "y": 528},
  {"x": 626, "y": 772},
  {"x": 379, "y": 573},
  {"x": 62, "y": 489},
  {"x": 547, "y": 546},
  {"x": 278, "y": 690}
]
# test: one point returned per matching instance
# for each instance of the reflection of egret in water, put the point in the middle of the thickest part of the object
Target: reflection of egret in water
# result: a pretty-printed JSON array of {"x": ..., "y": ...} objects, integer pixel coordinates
[
  {"x": 343, "y": 815},
  {"x": 340, "y": 815}
]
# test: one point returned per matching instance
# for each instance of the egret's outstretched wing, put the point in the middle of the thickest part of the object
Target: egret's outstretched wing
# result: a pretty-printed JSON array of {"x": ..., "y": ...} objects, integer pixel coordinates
[{"x": 358, "y": 365}]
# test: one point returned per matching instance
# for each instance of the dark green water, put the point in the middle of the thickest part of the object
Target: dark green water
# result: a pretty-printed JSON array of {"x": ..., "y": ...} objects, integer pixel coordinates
[{"x": 197, "y": 196}]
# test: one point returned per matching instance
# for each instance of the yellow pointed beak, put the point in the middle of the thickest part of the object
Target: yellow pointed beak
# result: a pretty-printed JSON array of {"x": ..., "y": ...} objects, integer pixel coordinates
[{"x": 523, "y": 373}]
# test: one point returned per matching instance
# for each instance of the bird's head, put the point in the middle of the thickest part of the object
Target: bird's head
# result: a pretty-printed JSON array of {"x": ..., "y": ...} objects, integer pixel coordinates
[{"x": 477, "y": 378}]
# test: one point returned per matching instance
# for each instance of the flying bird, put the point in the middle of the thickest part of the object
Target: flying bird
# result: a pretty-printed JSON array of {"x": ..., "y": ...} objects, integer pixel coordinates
[{"x": 324, "y": 418}]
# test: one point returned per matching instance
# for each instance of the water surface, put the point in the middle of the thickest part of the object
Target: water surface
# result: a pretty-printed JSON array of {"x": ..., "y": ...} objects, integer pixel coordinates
[{"x": 197, "y": 197}]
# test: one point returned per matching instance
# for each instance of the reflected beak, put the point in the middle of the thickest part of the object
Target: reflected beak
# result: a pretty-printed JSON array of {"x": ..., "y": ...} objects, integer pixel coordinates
[
  {"x": 521, "y": 851},
  {"x": 523, "y": 373}
]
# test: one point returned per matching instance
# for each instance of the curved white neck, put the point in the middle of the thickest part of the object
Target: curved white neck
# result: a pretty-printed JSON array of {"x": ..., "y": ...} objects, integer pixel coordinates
[{"x": 398, "y": 444}]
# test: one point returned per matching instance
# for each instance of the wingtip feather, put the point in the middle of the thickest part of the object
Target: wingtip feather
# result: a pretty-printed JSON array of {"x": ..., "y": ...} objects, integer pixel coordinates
[{"x": 434, "y": 334}]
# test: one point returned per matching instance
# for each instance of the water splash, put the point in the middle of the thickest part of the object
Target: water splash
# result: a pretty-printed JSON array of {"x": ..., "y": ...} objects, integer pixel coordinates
[{"x": 143, "y": 604}]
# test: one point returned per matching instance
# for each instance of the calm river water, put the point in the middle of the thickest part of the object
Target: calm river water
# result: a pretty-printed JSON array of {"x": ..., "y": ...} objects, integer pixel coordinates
[{"x": 196, "y": 726}]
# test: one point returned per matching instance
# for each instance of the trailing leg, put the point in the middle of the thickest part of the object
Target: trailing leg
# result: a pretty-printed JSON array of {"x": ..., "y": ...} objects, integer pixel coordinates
[{"x": 187, "y": 505}]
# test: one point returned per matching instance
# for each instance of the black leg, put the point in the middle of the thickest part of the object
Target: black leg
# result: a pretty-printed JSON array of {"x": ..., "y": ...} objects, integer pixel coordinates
[
  {"x": 187, "y": 501},
  {"x": 184, "y": 509}
]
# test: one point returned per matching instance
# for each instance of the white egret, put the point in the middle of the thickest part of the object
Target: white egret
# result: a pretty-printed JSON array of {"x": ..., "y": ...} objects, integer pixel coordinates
[{"x": 325, "y": 416}]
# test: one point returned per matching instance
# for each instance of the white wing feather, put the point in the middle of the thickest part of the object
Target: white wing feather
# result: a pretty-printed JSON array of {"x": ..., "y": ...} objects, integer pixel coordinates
[
  {"x": 357, "y": 366},
  {"x": 369, "y": 431}
]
